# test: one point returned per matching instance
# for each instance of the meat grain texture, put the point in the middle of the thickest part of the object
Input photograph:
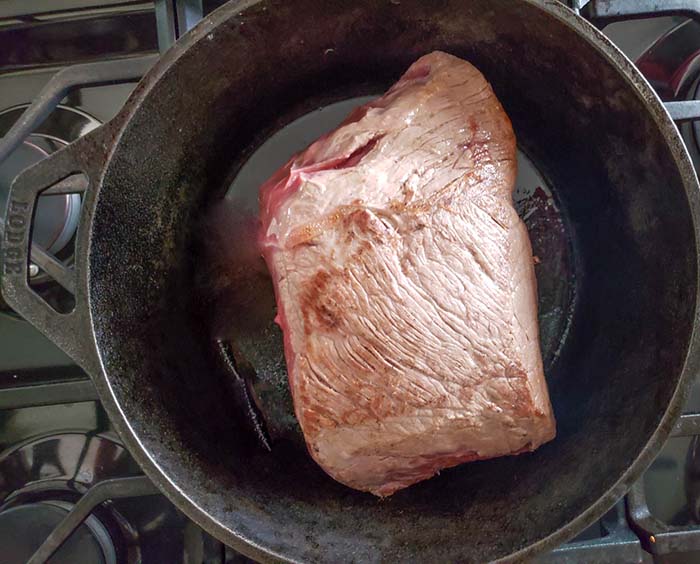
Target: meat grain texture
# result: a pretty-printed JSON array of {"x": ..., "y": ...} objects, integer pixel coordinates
[{"x": 405, "y": 285}]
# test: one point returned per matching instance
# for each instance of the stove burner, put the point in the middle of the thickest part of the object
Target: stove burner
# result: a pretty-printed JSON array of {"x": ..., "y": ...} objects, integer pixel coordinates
[
  {"x": 57, "y": 216},
  {"x": 24, "y": 528},
  {"x": 69, "y": 462},
  {"x": 672, "y": 65},
  {"x": 40, "y": 482}
]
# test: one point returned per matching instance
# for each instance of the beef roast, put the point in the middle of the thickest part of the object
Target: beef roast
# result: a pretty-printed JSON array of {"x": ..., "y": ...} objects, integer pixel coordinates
[{"x": 405, "y": 285}]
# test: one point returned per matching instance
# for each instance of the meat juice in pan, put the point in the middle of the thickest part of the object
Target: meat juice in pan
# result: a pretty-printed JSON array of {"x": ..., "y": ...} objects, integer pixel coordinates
[{"x": 245, "y": 292}]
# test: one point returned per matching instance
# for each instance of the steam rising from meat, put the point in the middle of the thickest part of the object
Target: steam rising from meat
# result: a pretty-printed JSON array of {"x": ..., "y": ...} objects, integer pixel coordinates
[
  {"x": 237, "y": 278},
  {"x": 238, "y": 288}
]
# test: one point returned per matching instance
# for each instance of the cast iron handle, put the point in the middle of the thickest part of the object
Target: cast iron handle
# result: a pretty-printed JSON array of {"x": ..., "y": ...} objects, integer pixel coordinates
[
  {"x": 66, "y": 80},
  {"x": 57, "y": 175},
  {"x": 70, "y": 331},
  {"x": 62, "y": 83}
]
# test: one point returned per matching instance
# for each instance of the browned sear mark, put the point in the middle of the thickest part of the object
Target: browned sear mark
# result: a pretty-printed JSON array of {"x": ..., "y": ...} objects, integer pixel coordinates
[{"x": 318, "y": 308}]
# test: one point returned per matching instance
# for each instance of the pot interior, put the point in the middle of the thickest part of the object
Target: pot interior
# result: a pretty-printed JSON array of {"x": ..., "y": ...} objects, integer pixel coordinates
[{"x": 627, "y": 294}]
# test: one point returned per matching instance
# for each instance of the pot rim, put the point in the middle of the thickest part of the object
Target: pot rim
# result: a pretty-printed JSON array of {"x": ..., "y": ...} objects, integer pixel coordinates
[{"x": 596, "y": 40}]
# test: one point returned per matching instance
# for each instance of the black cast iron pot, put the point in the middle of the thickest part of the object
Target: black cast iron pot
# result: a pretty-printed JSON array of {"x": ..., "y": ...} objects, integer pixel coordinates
[{"x": 584, "y": 116}]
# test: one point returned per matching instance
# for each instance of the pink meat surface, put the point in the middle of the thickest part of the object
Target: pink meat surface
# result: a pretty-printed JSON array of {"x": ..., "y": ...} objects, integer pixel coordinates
[{"x": 405, "y": 285}]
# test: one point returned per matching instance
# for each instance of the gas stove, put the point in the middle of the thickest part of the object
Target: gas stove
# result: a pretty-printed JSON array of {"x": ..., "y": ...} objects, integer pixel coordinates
[{"x": 69, "y": 490}]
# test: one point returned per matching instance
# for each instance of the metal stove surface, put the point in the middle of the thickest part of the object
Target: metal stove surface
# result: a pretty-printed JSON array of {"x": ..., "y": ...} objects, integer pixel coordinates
[{"x": 61, "y": 465}]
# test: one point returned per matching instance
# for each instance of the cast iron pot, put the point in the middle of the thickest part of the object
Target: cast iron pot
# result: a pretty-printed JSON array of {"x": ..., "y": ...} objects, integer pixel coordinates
[{"x": 582, "y": 113}]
